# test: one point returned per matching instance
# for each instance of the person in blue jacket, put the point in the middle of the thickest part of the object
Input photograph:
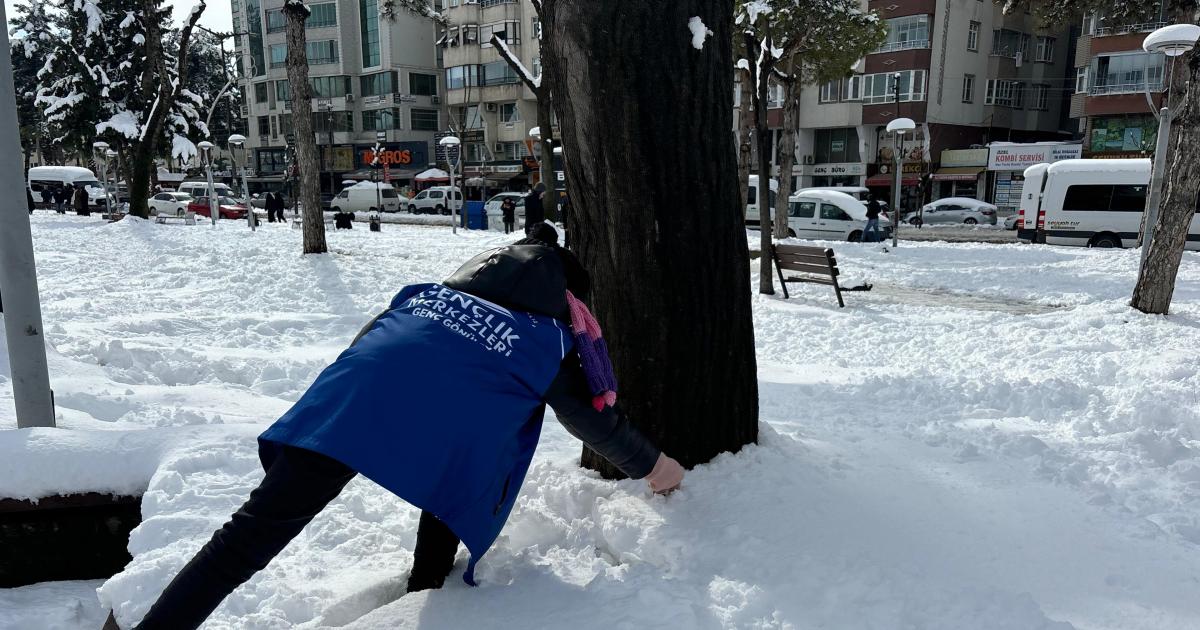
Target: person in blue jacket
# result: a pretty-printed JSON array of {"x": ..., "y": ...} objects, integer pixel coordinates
[{"x": 512, "y": 324}]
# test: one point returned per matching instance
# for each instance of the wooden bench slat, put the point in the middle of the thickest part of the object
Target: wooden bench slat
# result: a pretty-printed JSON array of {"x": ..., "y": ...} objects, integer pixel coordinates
[
  {"x": 811, "y": 260},
  {"x": 820, "y": 270},
  {"x": 824, "y": 281},
  {"x": 802, "y": 249}
]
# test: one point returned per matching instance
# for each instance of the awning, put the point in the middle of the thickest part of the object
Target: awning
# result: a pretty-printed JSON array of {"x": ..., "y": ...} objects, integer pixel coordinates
[
  {"x": 958, "y": 173},
  {"x": 885, "y": 180},
  {"x": 433, "y": 175}
]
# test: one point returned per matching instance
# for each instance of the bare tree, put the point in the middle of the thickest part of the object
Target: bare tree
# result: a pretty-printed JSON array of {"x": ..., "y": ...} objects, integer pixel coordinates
[
  {"x": 652, "y": 173},
  {"x": 296, "y": 13}
]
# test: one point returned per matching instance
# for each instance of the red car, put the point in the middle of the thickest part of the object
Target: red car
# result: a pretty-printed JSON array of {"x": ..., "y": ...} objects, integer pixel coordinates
[{"x": 229, "y": 208}]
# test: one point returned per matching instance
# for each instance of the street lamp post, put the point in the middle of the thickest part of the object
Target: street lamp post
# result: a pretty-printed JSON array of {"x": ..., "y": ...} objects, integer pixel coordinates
[
  {"x": 376, "y": 163},
  {"x": 237, "y": 146},
  {"x": 1171, "y": 41},
  {"x": 898, "y": 128},
  {"x": 206, "y": 158},
  {"x": 100, "y": 153},
  {"x": 112, "y": 164},
  {"x": 451, "y": 143}
]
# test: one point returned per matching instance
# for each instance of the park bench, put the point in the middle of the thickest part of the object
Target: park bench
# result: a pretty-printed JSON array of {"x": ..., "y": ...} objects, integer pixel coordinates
[
  {"x": 187, "y": 217},
  {"x": 816, "y": 265}
]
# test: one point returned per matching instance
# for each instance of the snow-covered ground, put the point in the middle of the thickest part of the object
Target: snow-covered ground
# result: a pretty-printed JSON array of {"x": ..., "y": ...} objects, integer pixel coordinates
[{"x": 990, "y": 439}]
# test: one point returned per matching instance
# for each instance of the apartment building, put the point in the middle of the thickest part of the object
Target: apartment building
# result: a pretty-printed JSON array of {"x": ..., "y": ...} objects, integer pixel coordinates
[
  {"x": 489, "y": 108},
  {"x": 967, "y": 75},
  {"x": 370, "y": 76},
  {"x": 1113, "y": 77}
]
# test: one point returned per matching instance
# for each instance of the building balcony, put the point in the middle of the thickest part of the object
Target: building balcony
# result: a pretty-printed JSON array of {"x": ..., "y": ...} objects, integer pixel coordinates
[
  {"x": 909, "y": 45},
  {"x": 1122, "y": 29},
  {"x": 1125, "y": 88},
  {"x": 511, "y": 91}
]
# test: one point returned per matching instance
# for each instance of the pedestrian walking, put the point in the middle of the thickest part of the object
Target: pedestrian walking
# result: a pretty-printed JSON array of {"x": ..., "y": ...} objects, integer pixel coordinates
[
  {"x": 81, "y": 202},
  {"x": 508, "y": 210},
  {"x": 29, "y": 199},
  {"x": 62, "y": 197},
  {"x": 871, "y": 231},
  {"x": 512, "y": 322},
  {"x": 535, "y": 213},
  {"x": 343, "y": 220}
]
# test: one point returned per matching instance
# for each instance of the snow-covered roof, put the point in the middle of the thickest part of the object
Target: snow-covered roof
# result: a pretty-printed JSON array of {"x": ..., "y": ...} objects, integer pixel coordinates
[
  {"x": 70, "y": 173},
  {"x": 432, "y": 173}
]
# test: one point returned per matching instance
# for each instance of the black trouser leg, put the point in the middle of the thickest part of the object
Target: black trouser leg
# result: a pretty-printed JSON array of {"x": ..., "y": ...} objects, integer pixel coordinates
[
  {"x": 296, "y": 488},
  {"x": 433, "y": 558}
]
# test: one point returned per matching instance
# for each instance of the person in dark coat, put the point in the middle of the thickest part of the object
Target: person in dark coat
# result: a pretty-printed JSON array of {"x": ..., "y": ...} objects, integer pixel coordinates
[
  {"x": 512, "y": 322},
  {"x": 29, "y": 199},
  {"x": 343, "y": 220},
  {"x": 535, "y": 213},
  {"x": 871, "y": 230},
  {"x": 508, "y": 209},
  {"x": 81, "y": 202},
  {"x": 62, "y": 197}
]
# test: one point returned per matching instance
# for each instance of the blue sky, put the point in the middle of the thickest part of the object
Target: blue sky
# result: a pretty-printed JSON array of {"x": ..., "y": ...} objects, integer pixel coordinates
[{"x": 217, "y": 15}]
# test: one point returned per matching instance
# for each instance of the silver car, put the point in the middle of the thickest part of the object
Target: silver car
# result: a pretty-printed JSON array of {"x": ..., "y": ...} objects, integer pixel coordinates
[{"x": 956, "y": 210}]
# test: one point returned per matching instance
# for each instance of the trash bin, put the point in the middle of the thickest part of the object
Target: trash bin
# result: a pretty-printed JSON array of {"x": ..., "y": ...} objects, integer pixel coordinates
[
  {"x": 374, "y": 222},
  {"x": 474, "y": 216}
]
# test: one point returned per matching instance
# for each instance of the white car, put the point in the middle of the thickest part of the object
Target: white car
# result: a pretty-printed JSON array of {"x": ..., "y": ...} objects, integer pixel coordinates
[
  {"x": 956, "y": 210},
  {"x": 170, "y": 203},
  {"x": 362, "y": 197},
  {"x": 493, "y": 205},
  {"x": 435, "y": 200},
  {"x": 830, "y": 215}
]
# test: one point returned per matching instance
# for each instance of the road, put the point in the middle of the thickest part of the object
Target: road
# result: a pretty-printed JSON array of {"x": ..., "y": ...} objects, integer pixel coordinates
[{"x": 958, "y": 234}]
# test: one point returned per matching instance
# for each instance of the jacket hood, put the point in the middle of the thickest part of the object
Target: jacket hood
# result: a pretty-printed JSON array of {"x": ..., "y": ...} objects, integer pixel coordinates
[{"x": 523, "y": 277}]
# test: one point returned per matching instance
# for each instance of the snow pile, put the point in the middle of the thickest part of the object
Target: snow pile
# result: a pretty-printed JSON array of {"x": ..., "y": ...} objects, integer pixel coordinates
[
  {"x": 699, "y": 32},
  {"x": 989, "y": 439}
]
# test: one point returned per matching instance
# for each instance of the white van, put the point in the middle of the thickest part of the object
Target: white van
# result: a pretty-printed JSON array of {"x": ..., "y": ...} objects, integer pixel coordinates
[
  {"x": 362, "y": 197},
  {"x": 1099, "y": 203},
  {"x": 42, "y": 178},
  {"x": 435, "y": 200},
  {"x": 200, "y": 189},
  {"x": 830, "y": 215},
  {"x": 1030, "y": 218},
  {"x": 752, "y": 199}
]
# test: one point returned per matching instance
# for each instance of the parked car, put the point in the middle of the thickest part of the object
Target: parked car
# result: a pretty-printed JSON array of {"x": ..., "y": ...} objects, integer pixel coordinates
[
  {"x": 830, "y": 215},
  {"x": 956, "y": 210},
  {"x": 493, "y": 205},
  {"x": 229, "y": 207},
  {"x": 200, "y": 189},
  {"x": 173, "y": 203},
  {"x": 1010, "y": 222},
  {"x": 752, "y": 216},
  {"x": 435, "y": 200},
  {"x": 53, "y": 177},
  {"x": 362, "y": 197}
]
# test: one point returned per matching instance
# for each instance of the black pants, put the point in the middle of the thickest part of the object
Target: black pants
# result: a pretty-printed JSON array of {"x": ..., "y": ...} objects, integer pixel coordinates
[
  {"x": 508, "y": 226},
  {"x": 298, "y": 485}
]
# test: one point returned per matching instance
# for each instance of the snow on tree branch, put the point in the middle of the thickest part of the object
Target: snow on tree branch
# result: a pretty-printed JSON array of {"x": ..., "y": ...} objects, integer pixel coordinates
[
  {"x": 422, "y": 8},
  {"x": 534, "y": 83},
  {"x": 699, "y": 32}
]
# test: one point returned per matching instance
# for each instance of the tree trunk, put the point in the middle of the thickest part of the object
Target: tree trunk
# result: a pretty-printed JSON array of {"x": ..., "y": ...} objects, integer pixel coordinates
[
  {"x": 787, "y": 152},
  {"x": 1156, "y": 278},
  {"x": 306, "y": 141},
  {"x": 654, "y": 193},
  {"x": 745, "y": 126},
  {"x": 762, "y": 139},
  {"x": 546, "y": 167}
]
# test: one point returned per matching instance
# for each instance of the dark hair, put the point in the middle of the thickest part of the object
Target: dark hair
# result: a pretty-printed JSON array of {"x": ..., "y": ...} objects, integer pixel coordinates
[{"x": 579, "y": 282}]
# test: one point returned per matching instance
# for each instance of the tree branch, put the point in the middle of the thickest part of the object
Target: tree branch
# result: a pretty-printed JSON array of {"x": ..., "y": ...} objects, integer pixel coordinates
[{"x": 534, "y": 83}]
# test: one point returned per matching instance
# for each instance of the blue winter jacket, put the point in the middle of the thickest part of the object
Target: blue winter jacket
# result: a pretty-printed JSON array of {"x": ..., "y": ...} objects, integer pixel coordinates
[{"x": 440, "y": 401}]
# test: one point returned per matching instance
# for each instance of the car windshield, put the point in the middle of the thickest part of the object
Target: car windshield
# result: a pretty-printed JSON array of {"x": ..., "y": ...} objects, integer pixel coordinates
[
  {"x": 228, "y": 201},
  {"x": 181, "y": 196},
  {"x": 92, "y": 184},
  {"x": 388, "y": 193}
]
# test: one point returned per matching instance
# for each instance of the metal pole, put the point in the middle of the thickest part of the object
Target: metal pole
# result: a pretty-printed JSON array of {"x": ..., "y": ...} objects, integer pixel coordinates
[
  {"x": 899, "y": 150},
  {"x": 18, "y": 272},
  {"x": 1158, "y": 171},
  {"x": 453, "y": 205},
  {"x": 213, "y": 206},
  {"x": 107, "y": 201},
  {"x": 246, "y": 192}
]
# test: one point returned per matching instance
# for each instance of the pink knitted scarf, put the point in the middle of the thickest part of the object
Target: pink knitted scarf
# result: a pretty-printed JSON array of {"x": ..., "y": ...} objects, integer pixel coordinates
[{"x": 593, "y": 354}]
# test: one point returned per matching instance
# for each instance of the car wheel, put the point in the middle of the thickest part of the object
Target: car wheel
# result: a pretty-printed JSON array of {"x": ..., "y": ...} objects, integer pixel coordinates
[
  {"x": 412, "y": 209},
  {"x": 855, "y": 236},
  {"x": 336, "y": 209},
  {"x": 1106, "y": 240},
  {"x": 970, "y": 221},
  {"x": 441, "y": 210},
  {"x": 791, "y": 233},
  {"x": 180, "y": 211}
]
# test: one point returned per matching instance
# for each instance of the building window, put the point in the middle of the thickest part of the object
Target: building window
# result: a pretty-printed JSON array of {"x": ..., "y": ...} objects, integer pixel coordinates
[
  {"x": 1025, "y": 39},
  {"x": 1089, "y": 23},
  {"x": 509, "y": 113},
  {"x": 881, "y": 87},
  {"x": 330, "y": 87},
  {"x": 422, "y": 84},
  {"x": 275, "y": 20},
  {"x": 321, "y": 15},
  {"x": 508, "y": 31},
  {"x": 424, "y": 119},
  {"x": 322, "y": 52},
  {"x": 237, "y": 24},
  {"x": 1045, "y": 50},
  {"x": 492, "y": 3},
  {"x": 968, "y": 94},
  {"x": 264, "y": 125},
  {"x": 498, "y": 73},
  {"x": 835, "y": 145},
  {"x": 258, "y": 66},
  {"x": 1041, "y": 99},
  {"x": 381, "y": 119},
  {"x": 1006, "y": 43},
  {"x": 463, "y": 76},
  {"x": 475, "y": 152},
  {"x": 470, "y": 34},
  {"x": 278, "y": 55},
  {"x": 973, "y": 36},
  {"x": 852, "y": 88},
  {"x": 472, "y": 118},
  {"x": 1004, "y": 93},
  {"x": 378, "y": 84},
  {"x": 260, "y": 92},
  {"x": 1130, "y": 132},
  {"x": 830, "y": 91},
  {"x": 1127, "y": 73},
  {"x": 537, "y": 29},
  {"x": 910, "y": 31},
  {"x": 325, "y": 122},
  {"x": 368, "y": 22},
  {"x": 285, "y": 124},
  {"x": 283, "y": 90},
  {"x": 271, "y": 160},
  {"x": 1081, "y": 80}
]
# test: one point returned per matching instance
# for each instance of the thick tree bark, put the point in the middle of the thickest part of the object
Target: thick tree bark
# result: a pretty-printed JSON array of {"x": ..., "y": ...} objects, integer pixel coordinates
[
  {"x": 1156, "y": 278},
  {"x": 787, "y": 151},
  {"x": 157, "y": 81},
  {"x": 654, "y": 194},
  {"x": 306, "y": 141}
]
